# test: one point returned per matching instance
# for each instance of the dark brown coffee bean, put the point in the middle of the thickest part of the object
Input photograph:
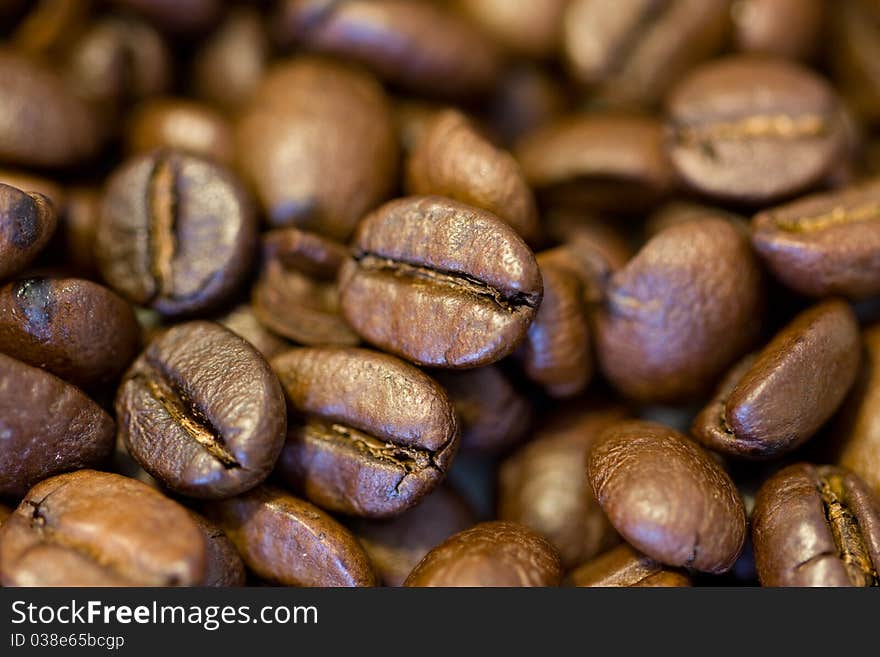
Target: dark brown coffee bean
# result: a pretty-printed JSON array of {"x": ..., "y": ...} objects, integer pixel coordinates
[
  {"x": 397, "y": 545},
  {"x": 788, "y": 28},
  {"x": 177, "y": 233},
  {"x": 490, "y": 554},
  {"x": 242, "y": 321},
  {"x": 202, "y": 412},
  {"x": 45, "y": 27},
  {"x": 676, "y": 317},
  {"x": 440, "y": 283},
  {"x": 317, "y": 142},
  {"x": 526, "y": 99},
  {"x": 223, "y": 566},
  {"x": 624, "y": 566},
  {"x": 602, "y": 161},
  {"x": 28, "y": 182},
  {"x": 825, "y": 244},
  {"x": 91, "y": 528},
  {"x": 452, "y": 159},
  {"x": 580, "y": 234},
  {"x": 667, "y": 497},
  {"x": 776, "y": 399},
  {"x": 47, "y": 426},
  {"x": 27, "y": 223},
  {"x": 5, "y": 512},
  {"x": 296, "y": 295},
  {"x": 175, "y": 15},
  {"x": 289, "y": 542},
  {"x": 816, "y": 526},
  {"x": 416, "y": 44},
  {"x": 530, "y": 29},
  {"x": 854, "y": 29},
  {"x": 544, "y": 484},
  {"x": 370, "y": 435},
  {"x": 79, "y": 224},
  {"x": 753, "y": 129}
]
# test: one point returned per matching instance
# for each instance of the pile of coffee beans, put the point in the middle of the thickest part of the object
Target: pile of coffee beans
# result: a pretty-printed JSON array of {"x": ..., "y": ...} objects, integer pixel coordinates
[{"x": 440, "y": 293}]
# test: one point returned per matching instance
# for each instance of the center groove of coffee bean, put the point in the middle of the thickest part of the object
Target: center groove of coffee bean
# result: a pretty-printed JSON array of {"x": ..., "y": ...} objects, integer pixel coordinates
[
  {"x": 458, "y": 281},
  {"x": 772, "y": 126},
  {"x": 837, "y": 216},
  {"x": 630, "y": 40},
  {"x": 845, "y": 529},
  {"x": 162, "y": 209},
  {"x": 408, "y": 459}
]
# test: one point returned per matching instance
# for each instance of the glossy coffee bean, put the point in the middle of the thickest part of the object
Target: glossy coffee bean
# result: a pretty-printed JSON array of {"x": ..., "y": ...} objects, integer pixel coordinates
[
  {"x": 202, "y": 412},
  {"x": 624, "y": 566},
  {"x": 674, "y": 318},
  {"x": 816, "y": 526},
  {"x": 48, "y": 426},
  {"x": 544, "y": 485},
  {"x": 452, "y": 159},
  {"x": 317, "y": 143},
  {"x": 825, "y": 244},
  {"x": 223, "y": 565},
  {"x": 667, "y": 497},
  {"x": 774, "y": 400},
  {"x": 440, "y": 283},
  {"x": 91, "y": 528},
  {"x": 752, "y": 129},
  {"x": 530, "y": 29},
  {"x": 296, "y": 295},
  {"x": 288, "y": 542},
  {"x": 242, "y": 321},
  {"x": 76, "y": 329},
  {"x": 369, "y": 434},
  {"x": 27, "y": 223},
  {"x": 788, "y": 28},
  {"x": 177, "y": 233},
  {"x": 490, "y": 554}
]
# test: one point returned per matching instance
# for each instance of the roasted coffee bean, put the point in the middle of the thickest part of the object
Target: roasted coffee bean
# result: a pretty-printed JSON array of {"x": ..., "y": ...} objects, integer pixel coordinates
[
  {"x": 679, "y": 212},
  {"x": 28, "y": 182},
  {"x": 317, "y": 142},
  {"x": 183, "y": 16},
  {"x": 816, "y": 526},
  {"x": 544, "y": 484},
  {"x": 296, "y": 295},
  {"x": 47, "y": 426},
  {"x": 774, "y": 400},
  {"x": 530, "y": 29},
  {"x": 289, "y": 542},
  {"x": 854, "y": 27},
  {"x": 79, "y": 223},
  {"x": 825, "y": 244},
  {"x": 415, "y": 44},
  {"x": 624, "y": 566},
  {"x": 753, "y": 129},
  {"x": 674, "y": 318},
  {"x": 91, "y": 528},
  {"x": 369, "y": 434},
  {"x": 579, "y": 234},
  {"x": 412, "y": 117},
  {"x": 490, "y": 554},
  {"x": 27, "y": 223},
  {"x": 630, "y": 51},
  {"x": 223, "y": 566},
  {"x": 5, "y": 512},
  {"x": 397, "y": 545},
  {"x": 601, "y": 161},
  {"x": 526, "y": 99},
  {"x": 45, "y": 27},
  {"x": 452, "y": 159},
  {"x": 242, "y": 321},
  {"x": 177, "y": 233},
  {"x": 440, "y": 283},
  {"x": 788, "y": 28},
  {"x": 667, "y": 497},
  {"x": 202, "y": 412}
]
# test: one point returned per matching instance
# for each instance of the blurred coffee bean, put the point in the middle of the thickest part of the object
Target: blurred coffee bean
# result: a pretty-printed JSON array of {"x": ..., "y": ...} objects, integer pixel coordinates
[{"x": 624, "y": 566}]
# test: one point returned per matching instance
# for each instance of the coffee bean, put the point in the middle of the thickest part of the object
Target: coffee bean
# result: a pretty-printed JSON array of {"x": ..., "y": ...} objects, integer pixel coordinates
[
  {"x": 776, "y": 399},
  {"x": 289, "y": 542},
  {"x": 752, "y": 129},
  {"x": 854, "y": 31},
  {"x": 79, "y": 224},
  {"x": 242, "y": 321},
  {"x": 47, "y": 426},
  {"x": 440, "y": 283},
  {"x": 624, "y": 566},
  {"x": 91, "y": 528},
  {"x": 177, "y": 233},
  {"x": 223, "y": 566},
  {"x": 666, "y": 496},
  {"x": 490, "y": 554},
  {"x": 530, "y": 29},
  {"x": 28, "y": 182},
  {"x": 369, "y": 434},
  {"x": 5, "y": 512},
  {"x": 816, "y": 526},
  {"x": 825, "y": 244},
  {"x": 581, "y": 235},
  {"x": 525, "y": 99},
  {"x": 788, "y": 28},
  {"x": 182, "y": 16},
  {"x": 27, "y": 222},
  {"x": 202, "y": 412}
]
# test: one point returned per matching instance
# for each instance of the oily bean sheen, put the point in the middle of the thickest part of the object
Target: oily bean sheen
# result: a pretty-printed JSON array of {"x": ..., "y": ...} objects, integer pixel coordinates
[
  {"x": 490, "y": 554},
  {"x": 624, "y": 566},
  {"x": 91, "y": 528},
  {"x": 177, "y": 232},
  {"x": 369, "y": 435},
  {"x": 223, "y": 566},
  {"x": 202, "y": 412},
  {"x": 27, "y": 222},
  {"x": 752, "y": 129},
  {"x": 825, "y": 244},
  {"x": 47, "y": 426},
  {"x": 76, "y": 329},
  {"x": 440, "y": 283},
  {"x": 775, "y": 400},
  {"x": 816, "y": 526},
  {"x": 680, "y": 312},
  {"x": 667, "y": 497},
  {"x": 287, "y": 541}
]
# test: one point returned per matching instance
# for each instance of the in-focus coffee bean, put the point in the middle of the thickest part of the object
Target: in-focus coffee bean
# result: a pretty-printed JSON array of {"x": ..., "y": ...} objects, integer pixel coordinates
[{"x": 27, "y": 223}]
